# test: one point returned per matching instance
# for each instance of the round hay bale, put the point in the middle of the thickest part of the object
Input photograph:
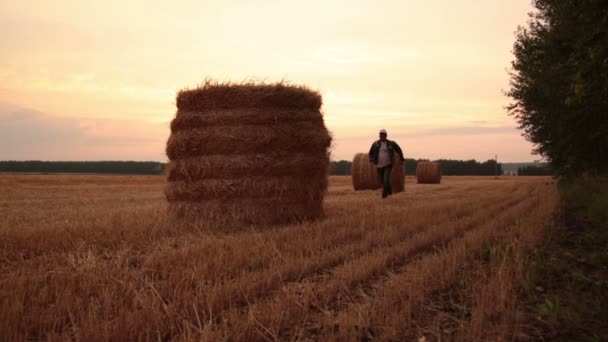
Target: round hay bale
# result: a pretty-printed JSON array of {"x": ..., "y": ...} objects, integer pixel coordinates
[
  {"x": 365, "y": 175},
  {"x": 398, "y": 175},
  {"x": 428, "y": 172},
  {"x": 252, "y": 153}
]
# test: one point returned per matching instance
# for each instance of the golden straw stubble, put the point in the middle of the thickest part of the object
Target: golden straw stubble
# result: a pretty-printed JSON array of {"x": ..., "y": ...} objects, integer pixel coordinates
[{"x": 249, "y": 211}]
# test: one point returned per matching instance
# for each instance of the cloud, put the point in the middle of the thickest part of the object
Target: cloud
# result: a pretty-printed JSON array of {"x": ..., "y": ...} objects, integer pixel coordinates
[
  {"x": 464, "y": 130},
  {"x": 31, "y": 134},
  {"x": 347, "y": 57},
  {"x": 21, "y": 125}
]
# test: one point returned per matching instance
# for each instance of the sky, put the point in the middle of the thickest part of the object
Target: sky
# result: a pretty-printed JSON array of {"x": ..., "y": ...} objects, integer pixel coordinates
[{"x": 97, "y": 80}]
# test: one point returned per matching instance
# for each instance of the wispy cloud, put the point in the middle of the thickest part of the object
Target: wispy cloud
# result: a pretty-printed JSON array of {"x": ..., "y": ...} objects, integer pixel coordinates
[
  {"x": 464, "y": 130},
  {"x": 423, "y": 69},
  {"x": 30, "y": 134}
]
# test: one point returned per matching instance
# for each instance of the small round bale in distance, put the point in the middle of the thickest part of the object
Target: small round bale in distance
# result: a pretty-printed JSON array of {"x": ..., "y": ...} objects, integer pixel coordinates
[
  {"x": 428, "y": 172},
  {"x": 249, "y": 152},
  {"x": 365, "y": 175}
]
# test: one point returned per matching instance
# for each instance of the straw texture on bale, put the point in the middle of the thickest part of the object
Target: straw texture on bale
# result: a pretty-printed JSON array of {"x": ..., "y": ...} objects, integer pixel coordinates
[
  {"x": 247, "y": 116},
  {"x": 212, "y": 95},
  {"x": 286, "y": 187},
  {"x": 245, "y": 165},
  {"x": 398, "y": 175},
  {"x": 365, "y": 175},
  {"x": 253, "y": 153},
  {"x": 247, "y": 139},
  {"x": 428, "y": 172}
]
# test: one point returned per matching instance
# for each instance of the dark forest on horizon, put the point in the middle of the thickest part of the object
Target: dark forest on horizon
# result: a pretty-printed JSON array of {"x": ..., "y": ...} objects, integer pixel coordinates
[{"x": 337, "y": 168}]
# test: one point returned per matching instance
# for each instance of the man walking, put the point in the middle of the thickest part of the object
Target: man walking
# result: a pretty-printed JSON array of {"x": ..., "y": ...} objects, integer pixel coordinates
[{"x": 382, "y": 154}]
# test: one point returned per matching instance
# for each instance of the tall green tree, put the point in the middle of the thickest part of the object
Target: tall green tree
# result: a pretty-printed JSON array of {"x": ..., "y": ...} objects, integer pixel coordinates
[{"x": 559, "y": 84}]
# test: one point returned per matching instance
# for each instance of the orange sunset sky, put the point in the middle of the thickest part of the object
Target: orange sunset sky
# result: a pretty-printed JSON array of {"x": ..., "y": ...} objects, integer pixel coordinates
[{"x": 96, "y": 80}]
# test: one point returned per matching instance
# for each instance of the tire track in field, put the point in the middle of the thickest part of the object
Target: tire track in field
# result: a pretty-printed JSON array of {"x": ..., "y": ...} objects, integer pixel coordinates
[
  {"x": 319, "y": 322},
  {"x": 399, "y": 254},
  {"x": 298, "y": 241},
  {"x": 229, "y": 295},
  {"x": 289, "y": 241},
  {"x": 470, "y": 242},
  {"x": 239, "y": 291},
  {"x": 351, "y": 254}
]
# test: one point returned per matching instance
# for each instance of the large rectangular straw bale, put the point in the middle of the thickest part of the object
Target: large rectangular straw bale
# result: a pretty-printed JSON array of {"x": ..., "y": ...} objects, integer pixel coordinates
[{"x": 255, "y": 153}]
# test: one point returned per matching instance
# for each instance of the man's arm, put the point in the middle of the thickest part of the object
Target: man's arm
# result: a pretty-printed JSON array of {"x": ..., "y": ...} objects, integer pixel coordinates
[{"x": 370, "y": 154}]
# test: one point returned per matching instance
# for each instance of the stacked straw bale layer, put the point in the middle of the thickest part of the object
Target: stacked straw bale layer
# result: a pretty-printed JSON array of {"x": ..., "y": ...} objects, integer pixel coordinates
[
  {"x": 365, "y": 175},
  {"x": 253, "y": 153},
  {"x": 428, "y": 172}
]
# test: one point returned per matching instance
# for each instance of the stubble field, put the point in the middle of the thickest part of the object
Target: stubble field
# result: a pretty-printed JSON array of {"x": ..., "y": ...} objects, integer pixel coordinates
[{"x": 97, "y": 258}]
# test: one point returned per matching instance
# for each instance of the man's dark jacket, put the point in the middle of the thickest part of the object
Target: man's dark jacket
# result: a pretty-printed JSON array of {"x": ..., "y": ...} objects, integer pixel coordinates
[{"x": 392, "y": 148}]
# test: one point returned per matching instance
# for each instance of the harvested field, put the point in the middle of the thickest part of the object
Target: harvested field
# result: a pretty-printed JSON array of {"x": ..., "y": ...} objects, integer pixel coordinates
[{"x": 97, "y": 257}]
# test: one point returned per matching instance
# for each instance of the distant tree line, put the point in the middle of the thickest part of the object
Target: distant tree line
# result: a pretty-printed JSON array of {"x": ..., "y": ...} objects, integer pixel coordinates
[
  {"x": 449, "y": 167},
  {"x": 469, "y": 167},
  {"x": 342, "y": 167},
  {"x": 117, "y": 167},
  {"x": 532, "y": 170}
]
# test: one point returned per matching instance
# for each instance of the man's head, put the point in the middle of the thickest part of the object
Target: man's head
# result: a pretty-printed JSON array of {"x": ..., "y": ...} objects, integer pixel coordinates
[{"x": 382, "y": 134}]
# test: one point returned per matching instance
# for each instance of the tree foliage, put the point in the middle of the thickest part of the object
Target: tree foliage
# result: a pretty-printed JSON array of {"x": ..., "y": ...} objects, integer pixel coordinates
[
  {"x": 559, "y": 84},
  {"x": 469, "y": 167},
  {"x": 532, "y": 170},
  {"x": 340, "y": 168}
]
